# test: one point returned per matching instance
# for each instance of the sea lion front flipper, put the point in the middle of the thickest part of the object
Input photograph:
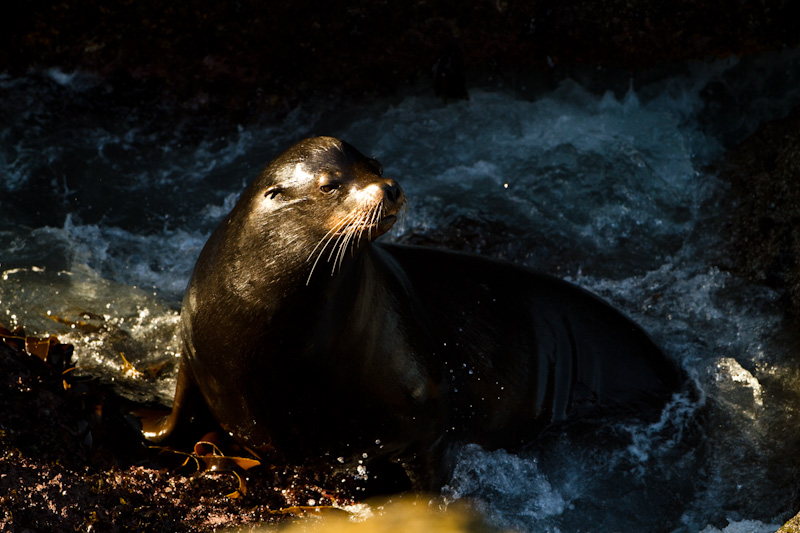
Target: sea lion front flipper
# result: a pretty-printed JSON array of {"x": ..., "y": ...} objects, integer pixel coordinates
[{"x": 188, "y": 402}]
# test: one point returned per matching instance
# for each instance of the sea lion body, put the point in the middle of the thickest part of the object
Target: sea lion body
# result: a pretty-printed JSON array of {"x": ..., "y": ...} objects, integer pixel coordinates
[{"x": 362, "y": 350}]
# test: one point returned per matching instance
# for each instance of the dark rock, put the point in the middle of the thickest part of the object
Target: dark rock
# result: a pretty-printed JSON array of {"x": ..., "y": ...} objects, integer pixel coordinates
[
  {"x": 70, "y": 460},
  {"x": 247, "y": 57},
  {"x": 764, "y": 172}
]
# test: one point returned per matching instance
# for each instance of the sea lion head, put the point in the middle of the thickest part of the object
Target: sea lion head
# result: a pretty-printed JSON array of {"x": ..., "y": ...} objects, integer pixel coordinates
[{"x": 324, "y": 193}]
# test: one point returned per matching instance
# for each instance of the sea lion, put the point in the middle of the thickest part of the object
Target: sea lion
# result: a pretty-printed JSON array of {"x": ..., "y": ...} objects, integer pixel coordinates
[{"x": 309, "y": 342}]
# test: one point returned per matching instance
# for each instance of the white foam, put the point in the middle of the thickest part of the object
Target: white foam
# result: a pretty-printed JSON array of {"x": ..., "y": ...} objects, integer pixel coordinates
[
  {"x": 744, "y": 526},
  {"x": 508, "y": 487}
]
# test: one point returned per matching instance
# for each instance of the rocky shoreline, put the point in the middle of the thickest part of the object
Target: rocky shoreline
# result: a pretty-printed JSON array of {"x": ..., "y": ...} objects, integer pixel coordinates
[{"x": 73, "y": 459}]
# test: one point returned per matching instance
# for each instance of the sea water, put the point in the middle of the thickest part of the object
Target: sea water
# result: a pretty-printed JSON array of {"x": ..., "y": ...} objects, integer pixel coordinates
[{"x": 601, "y": 179}]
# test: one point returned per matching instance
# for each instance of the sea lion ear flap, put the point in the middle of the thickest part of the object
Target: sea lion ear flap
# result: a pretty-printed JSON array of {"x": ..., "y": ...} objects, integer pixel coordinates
[
  {"x": 376, "y": 165},
  {"x": 273, "y": 191}
]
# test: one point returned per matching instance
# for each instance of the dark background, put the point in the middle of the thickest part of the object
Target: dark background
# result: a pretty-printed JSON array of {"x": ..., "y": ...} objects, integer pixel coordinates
[{"x": 250, "y": 57}]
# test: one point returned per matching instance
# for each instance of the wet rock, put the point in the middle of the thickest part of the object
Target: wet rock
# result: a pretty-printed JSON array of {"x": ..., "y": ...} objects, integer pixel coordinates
[
  {"x": 248, "y": 57},
  {"x": 792, "y": 526},
  {"x": 70, "y": 460},
  {"x": 764, "y": 172}
]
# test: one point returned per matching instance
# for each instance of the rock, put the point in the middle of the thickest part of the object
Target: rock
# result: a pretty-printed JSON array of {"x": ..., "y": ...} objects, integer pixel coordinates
[
  {"x": 764, "y": 172},
  {"x": 250, "y": 56},
  {"x": 792, "y": 526}
]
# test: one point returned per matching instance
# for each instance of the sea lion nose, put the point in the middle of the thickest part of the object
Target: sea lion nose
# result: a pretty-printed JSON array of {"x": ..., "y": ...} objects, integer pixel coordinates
[{"x": 392, "y": 191}]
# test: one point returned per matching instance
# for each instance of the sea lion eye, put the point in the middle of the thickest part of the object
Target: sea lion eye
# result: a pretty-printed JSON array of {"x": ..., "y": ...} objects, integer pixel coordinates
[
  {"x": 328, "y": 188},
  {"x": 273, "y": 191}
]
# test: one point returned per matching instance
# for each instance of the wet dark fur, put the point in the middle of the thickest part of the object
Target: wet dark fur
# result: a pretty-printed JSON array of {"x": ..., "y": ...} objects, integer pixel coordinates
[{"x": 388, "y": 351}]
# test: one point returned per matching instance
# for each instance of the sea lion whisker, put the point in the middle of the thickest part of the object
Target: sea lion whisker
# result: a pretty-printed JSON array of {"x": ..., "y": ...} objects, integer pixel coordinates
[
  {"x": 345, "y": 224},
  {"x": 356, "y": 227},
  {"x": 327, "y": 239},
  {"x": 367, "y": 221},
  {"x": 314, "y": 266},
  {"x": 368, "y": 216},
  {"x": 375, "y": 216},
  {"x": 337, "y": 263},
  {"x": 331, "y": 233},
  {"x": 341, "y": 243},
  {"x": 349, "y": 222}
]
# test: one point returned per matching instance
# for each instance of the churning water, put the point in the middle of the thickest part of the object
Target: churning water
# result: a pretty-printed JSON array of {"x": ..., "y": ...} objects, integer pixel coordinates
[{"x": 104, "y": 208}]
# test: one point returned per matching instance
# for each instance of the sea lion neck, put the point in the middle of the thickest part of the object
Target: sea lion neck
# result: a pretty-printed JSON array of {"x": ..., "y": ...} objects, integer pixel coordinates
[{"x": 286, "y": 266}]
